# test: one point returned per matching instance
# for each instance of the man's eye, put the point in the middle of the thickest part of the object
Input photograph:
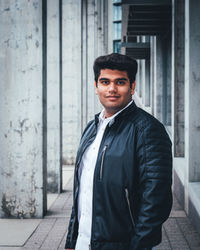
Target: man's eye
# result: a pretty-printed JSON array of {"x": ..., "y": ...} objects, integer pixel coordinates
[
  {"x": 120, "y": 82},
  {"x": 105, "y": 82}
]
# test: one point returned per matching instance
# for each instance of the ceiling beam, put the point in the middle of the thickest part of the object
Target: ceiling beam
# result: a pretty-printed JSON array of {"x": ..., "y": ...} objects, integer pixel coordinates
[
  {"x": 136, "y": 45},
  {"x": 147, "y": 2}
]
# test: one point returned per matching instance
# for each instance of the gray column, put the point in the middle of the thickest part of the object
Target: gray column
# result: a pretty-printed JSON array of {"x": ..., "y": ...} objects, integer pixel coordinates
[
  {"x": 147, "y": 78},
  {"x": 54, "y": 163},
  {"x": 178, "y": 71},
  {"x": 192, "y": 90},
  {"x": 163, "y": 79},
  {"x": 158, "y": 80},
  {"x": 22, "y": 109},
  {"x": 152, "y": 75},
  {"x": 93, "y": 49},
  {"x": 143, "y": 76},
  {"x": 84, "y": 65},
  {"x": 110, "y": 26},
  {"x": 71, "y": 77}
]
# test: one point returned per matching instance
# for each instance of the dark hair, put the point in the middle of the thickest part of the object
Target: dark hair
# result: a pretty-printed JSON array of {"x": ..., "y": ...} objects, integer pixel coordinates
[{"x": 116, "y": 61}]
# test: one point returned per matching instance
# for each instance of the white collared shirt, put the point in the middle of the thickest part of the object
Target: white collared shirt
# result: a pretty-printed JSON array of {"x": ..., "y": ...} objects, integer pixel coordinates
[{"x": 86, "y": 174}]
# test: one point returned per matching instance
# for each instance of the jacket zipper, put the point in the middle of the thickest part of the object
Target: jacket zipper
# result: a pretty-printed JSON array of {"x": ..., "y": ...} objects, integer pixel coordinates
[
  {"x": 102, "y": 161},
  {"x": 129, "y": 207}
]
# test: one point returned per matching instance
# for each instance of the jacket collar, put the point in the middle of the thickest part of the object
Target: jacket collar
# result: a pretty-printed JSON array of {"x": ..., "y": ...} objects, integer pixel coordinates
[{"x": 121, "y": 115}]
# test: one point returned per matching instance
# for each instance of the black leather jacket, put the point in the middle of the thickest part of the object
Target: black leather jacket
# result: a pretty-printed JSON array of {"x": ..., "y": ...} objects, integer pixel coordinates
[{"x": 132, "y": 183}]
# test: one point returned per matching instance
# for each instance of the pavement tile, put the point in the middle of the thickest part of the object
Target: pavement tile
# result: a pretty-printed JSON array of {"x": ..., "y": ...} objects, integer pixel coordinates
[
  {"x": 14, "y": 232},
  {"x": 189, "y": 232},
  {"x": 177, "y": 233},
  {"x": 165, "y": 244},
  {"x": 39, "y": 236},
  {"x": 55, "y": 236},
  {"x": 175, "y": 236}
]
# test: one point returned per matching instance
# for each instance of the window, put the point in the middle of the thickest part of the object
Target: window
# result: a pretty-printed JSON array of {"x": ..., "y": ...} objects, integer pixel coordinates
[{"x": 117, "y": 25}]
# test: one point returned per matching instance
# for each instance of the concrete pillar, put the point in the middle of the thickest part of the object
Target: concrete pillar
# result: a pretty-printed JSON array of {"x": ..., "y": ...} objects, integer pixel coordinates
[
  {"x": 84, "y": 66},
  {"x": 147, "y": 83},
  {"x": 54, "y": 100},
  {"x": 71, "y": 77},
  {"x": 158, "y": 80},
  {"x": 167, "y": 87},
  {"x": 178, "y": 70},
  {"x": 152, "y": 75},
  {"x": 143, "y": 76},
  {"x": 22, "y": 108},
  {"x": 110, "y": 26},
  {"x": 163, "y": 79},
  {"x": 147, "y": 78},
  {"x": 93, "y": 47},
  {"x": 192, "y": 90}
]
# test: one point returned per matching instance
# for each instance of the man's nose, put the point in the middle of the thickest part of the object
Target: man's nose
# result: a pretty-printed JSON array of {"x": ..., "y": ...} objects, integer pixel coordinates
[{"x": 112, "y": 87}]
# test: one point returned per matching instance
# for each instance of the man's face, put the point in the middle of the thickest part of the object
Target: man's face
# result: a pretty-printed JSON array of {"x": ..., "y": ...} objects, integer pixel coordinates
[{"x": 114, "y": 91}]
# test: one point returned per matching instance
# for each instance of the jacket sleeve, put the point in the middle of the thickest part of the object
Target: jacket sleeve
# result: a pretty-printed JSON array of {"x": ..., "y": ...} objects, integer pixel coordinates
[
  {"x": 69, "y": 243},
  {"x": 154, "y": 161}
]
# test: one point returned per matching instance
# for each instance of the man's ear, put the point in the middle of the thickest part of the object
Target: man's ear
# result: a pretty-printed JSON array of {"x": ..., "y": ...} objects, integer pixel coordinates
[
  {"x": 133, "y": 88},
  {"x": 95, "y": 85}
]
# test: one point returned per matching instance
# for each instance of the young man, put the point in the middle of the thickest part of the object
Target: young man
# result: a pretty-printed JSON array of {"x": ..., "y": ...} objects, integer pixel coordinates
[{"x": 123, "y": 171}]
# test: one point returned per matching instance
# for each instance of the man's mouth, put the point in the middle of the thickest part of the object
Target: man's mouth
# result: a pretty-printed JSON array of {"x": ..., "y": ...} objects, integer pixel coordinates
[{"x": 112, "y": 97}]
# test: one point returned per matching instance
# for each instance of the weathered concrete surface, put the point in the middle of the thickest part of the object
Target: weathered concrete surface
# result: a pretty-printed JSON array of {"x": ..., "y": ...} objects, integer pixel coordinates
[
  {"x": 162, "y": 87},
  {"x": 71, "y": 75},
  {"x": 54, "y": 119},
  {"x": 192, "y": 102},
  {"x": 21, "y": 109},
  {"x": 16, "y": 232},
  {"x": 192, "y": 90},
  {"x": 178, "y": 72}
]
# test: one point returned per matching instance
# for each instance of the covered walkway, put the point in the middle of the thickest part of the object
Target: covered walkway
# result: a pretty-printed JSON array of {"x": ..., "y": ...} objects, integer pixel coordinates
[
  {"x": 49, "y": 233},
  {"x": 47, "y": 49}
]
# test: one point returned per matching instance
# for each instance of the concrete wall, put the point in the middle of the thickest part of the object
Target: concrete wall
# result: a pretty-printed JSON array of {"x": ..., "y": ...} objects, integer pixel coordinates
[
  {"x": 22, "y": 103},
  {"x": 54, "y": 97},
  {"x": 71, "y": 77},
  {"x": 178, "y": 75}
]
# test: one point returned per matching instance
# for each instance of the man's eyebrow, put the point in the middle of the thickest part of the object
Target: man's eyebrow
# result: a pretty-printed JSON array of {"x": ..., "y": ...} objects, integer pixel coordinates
[
  {"x": 103, "y": 79},
  {"x": 122, "y": 79},
  {"x": 118, "y": 79}
]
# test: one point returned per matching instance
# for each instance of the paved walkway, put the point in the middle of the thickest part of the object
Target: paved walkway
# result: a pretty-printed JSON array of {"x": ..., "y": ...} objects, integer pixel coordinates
[{"x": 50, "y": 233}]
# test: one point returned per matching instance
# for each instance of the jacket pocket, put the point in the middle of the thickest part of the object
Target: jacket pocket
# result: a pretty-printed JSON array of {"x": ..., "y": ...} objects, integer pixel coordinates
[
  {"x": 102, "y": 162},
  {"x": 129, "y": 208}
]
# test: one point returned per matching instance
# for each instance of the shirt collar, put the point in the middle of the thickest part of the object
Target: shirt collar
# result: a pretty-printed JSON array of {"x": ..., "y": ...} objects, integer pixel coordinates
[{"x": 111, "y": 119}]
